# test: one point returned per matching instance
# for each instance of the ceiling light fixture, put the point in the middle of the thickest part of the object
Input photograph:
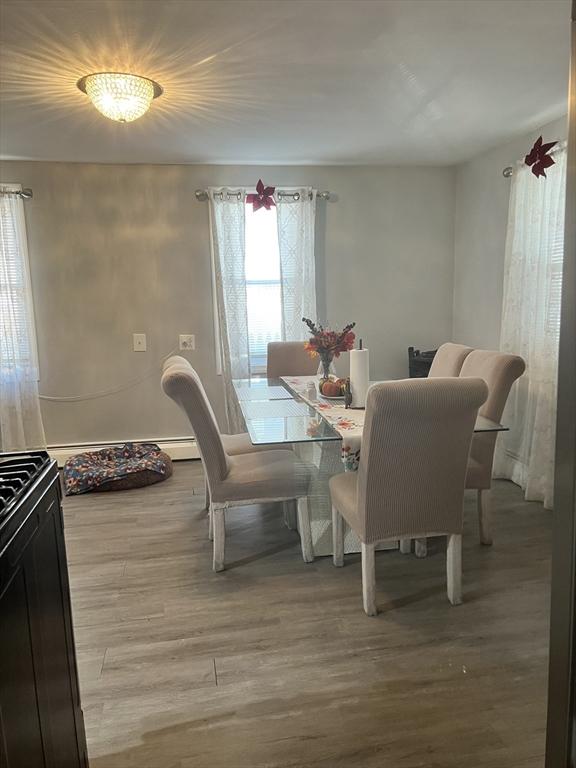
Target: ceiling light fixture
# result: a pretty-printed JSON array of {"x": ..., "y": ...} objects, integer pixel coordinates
[{"x": 120, "y": 96}]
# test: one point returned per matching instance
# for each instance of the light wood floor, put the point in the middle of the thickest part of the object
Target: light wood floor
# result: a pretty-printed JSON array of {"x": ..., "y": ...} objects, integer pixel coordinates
[{"x": 274, "y": 664}]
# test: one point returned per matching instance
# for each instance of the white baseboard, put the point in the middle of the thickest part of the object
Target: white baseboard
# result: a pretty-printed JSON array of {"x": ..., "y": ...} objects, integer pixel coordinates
[{"x": 178, "y": 448}]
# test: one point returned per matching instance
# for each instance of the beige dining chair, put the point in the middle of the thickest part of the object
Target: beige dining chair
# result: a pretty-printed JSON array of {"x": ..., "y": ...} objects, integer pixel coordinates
[
  {"x": 410, "y": 481},
  {"x": 289, "y": 358},
  {"x": 251, "y": 478},
  {"x": 448, "y": 360},
  {"x": 234, "y": 445},
  {"x": 499, "y": 371}
]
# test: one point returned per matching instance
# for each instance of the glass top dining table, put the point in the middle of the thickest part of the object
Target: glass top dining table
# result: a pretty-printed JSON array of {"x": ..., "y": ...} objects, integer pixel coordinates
[{"x": 276, "y": 413}]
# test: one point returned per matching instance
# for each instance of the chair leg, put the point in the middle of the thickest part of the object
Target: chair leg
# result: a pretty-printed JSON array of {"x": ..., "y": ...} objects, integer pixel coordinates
[
  {"x": 369, "y": 579},
  {"x": 207, "y": 496},
  {"x": 421, "y": 547},
  {"x": 210, "y": 524},
  {"x": 454, "y": 568},
  {"x": 219, "y": 528},
  {"x": 290, "y": 515},
  {"x": 305, "y": 530},
  {"x": 485, "y": 517},
  {"x": 405, "y": 546},
  {"x": 337, "y": 538}
]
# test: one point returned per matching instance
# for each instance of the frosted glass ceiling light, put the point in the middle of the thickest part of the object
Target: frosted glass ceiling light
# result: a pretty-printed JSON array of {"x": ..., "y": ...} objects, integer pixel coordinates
[{"x": 120, "y": 96}]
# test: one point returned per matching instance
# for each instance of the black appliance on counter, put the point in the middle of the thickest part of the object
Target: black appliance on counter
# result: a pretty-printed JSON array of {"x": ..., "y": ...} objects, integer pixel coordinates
[{"x": 41, "y": 722}]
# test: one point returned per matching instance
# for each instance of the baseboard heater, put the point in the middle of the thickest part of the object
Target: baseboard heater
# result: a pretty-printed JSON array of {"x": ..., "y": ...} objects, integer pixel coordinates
[{"x": 178, "y": 448}]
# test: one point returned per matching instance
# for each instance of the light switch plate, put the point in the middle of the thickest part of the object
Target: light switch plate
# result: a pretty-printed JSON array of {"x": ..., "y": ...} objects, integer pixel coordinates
[
  {"x": 187, "y": 341},
  {"x": 139, "y": 342}
]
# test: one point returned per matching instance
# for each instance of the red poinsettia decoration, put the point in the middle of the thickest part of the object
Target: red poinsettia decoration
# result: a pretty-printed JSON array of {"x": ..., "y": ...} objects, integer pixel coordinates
[
  {"x": 538, "y": 157},
  {"x": 263, "y": 197}
]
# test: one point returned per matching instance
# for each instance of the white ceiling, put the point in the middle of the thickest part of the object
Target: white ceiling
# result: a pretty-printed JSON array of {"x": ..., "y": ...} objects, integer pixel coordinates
[{"x": 283, "y": 81}]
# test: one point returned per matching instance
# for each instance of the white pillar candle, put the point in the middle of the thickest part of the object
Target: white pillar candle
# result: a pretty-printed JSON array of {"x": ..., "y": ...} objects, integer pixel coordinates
[{"x": 359, "y": 376}]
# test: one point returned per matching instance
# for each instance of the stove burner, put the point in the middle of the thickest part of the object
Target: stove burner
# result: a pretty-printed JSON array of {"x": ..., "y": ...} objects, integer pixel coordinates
[{"x": 17, "y": 473}]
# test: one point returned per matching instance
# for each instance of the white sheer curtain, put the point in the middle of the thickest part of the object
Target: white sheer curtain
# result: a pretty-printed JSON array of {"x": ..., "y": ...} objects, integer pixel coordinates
[
  {"x": 227, "y": 215},
  {"x": 20, "y": 419},
  {"x": 296, "y": 222},
  {"x": 531, "y": 325}
]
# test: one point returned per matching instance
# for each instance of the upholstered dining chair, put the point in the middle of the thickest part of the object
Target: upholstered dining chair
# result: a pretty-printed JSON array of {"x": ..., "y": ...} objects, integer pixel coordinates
[
  {"x": 289, "y": 358},
  {"x": 499, "y": 371},
  {"x": 252, "y": 478},
  {"x": 234, "y": 445},
  {"x": 448, "y": 360},
  {"x": 410, "y": 481}
]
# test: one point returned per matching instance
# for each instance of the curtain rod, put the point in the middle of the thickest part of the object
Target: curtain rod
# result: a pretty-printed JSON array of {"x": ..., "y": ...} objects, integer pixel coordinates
[
  {"x": 202, "y": 195},
  {"x": 25, "y": 194},
  {"x": 508, "y": 172}
]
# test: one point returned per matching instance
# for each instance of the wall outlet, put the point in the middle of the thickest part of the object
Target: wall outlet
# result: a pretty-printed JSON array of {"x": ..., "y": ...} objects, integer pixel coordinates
[
  {"x": 139, "y": 342},
  {"x": 187, "y": 341}
]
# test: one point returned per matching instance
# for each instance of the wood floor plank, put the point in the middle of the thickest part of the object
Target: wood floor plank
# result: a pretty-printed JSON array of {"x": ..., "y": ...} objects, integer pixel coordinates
[{"x": 273, "y": 663}]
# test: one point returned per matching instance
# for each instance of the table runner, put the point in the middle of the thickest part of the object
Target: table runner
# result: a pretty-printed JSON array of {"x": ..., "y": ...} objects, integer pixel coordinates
[{"x": 348, "y": 422}]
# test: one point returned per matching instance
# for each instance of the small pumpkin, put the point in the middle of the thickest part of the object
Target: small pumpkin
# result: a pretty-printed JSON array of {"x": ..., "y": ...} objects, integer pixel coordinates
[{"x": 330, "y": 388}]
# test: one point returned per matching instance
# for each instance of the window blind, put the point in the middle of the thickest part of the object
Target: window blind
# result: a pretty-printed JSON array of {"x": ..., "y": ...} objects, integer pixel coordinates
[{"x": 555, "y": 292}]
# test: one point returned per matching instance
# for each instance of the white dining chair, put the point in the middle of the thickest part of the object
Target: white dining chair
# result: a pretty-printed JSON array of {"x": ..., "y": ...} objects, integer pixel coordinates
[
  {"x": 410, "y": 481},
  {"x": 499, "y": 370},
  {"x": 448, "y": 360},
  {"x": 241, "y": 480},
  {"x": 289, "y": 358},
  {"x": 234, "y": 445}
]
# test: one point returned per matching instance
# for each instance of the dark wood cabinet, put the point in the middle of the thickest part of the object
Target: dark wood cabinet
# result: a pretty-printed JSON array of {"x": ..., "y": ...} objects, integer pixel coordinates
[{"x": 41, "y": 722}]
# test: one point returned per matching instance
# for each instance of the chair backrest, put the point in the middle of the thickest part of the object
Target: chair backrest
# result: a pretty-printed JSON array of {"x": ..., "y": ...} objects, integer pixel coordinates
[
  {"x": 174, "y": 360},
  {"x": 177, "y": 361},
  {"x": 415, "y": 446},
  {"x": 448, "y": 360},
  {"x": 289, "y": 358},
  {"x": 183, "y": 385},
  {"x": 499, "y": 370}
]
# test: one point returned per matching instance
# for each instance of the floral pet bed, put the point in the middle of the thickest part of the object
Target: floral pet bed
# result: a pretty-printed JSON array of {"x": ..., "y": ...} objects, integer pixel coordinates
[{"x": 132, "y": 465}]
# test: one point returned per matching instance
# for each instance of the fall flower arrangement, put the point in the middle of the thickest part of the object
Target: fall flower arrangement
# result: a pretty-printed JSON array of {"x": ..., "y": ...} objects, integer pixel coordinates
[{"x": 328, "y": 344}]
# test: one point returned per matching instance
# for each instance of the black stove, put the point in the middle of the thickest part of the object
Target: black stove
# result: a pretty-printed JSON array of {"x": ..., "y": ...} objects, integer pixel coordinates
[{"x": 41, "y": 725}]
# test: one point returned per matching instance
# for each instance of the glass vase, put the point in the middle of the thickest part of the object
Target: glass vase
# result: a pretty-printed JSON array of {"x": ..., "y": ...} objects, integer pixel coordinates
[{"x": 326, "y": 369}]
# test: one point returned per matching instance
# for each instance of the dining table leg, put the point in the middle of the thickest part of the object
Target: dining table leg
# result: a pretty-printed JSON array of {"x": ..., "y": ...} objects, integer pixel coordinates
[
  {"x": 421, "y": 547},
  {"x": 405, "y": 546}
]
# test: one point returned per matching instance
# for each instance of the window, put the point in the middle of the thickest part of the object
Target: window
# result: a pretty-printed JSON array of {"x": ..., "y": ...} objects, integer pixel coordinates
[
  {"x": 20, "y": 418},
  {"x": 264, "y": 280},
  {"x": 17, "y": 338},
  {"x": 263, "y": 292},
  {"x": 531, "y": 326}
]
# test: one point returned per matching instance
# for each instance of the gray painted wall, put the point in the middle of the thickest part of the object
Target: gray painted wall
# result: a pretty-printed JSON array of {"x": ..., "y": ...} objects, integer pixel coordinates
[
  {"x": 480, "y": 223},
  {"x": 117, "y": 249}
]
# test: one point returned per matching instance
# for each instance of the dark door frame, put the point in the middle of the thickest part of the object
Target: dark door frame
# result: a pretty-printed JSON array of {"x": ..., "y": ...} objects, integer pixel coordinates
[{"x": 561, "y": 729}]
